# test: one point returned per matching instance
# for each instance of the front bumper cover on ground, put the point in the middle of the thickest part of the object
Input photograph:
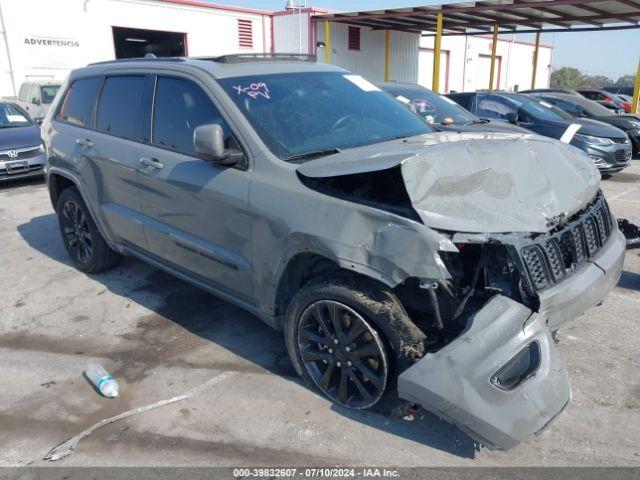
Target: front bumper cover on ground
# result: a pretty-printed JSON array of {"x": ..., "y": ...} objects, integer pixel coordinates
[{"x": 455, "y": 382}]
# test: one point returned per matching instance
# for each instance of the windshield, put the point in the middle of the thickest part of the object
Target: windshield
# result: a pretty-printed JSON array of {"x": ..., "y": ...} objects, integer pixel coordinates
[
  {"x": 432, "y": 107},
  {"x": 540, "y": 110},
  {"x": 49, "y": 92},
  {"x": 297, "y": 114},
  {"x": 592, "y": 108},
  {"x": 11, "y": 116}
]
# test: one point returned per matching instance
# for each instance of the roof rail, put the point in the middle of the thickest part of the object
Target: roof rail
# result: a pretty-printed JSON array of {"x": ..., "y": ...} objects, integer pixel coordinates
[
  {"x": 146, "y": 58},
  {"x": 263, "y": 57}
]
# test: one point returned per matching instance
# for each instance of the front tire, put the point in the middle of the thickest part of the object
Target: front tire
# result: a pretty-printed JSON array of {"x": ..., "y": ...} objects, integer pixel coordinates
[
  {"x": 348, "y": 337},
  {"x": 82, "y": 239}
]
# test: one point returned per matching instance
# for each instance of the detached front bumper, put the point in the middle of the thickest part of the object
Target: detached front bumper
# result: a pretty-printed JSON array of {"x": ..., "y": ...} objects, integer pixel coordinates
[{"x": 459, "y": 382}]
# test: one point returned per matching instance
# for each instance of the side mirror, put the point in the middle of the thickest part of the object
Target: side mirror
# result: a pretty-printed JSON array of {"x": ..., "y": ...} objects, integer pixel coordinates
[
  {"x": 35, "y": 101},
  {"x": 38, "y": 120},
  {"x": 208, "y": 140},
  {"x": 512, "y": 117}
]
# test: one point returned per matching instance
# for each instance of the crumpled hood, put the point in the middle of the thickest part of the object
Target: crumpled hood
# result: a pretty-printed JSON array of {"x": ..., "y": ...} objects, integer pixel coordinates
[{"x": 479, "y": 183}]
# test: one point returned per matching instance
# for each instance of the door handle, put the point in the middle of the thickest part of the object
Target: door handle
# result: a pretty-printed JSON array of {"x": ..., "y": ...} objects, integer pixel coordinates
[
  {"x": 151, "y": 162},
  {"x": 84, "y": 142}
]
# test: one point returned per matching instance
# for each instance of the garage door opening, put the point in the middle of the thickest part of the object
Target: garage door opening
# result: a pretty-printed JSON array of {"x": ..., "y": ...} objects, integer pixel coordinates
[{"x": 134, "y": 42}]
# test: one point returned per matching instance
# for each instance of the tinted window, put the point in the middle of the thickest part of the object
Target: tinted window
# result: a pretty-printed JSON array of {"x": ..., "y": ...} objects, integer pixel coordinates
[
  {"x": 309, "y": 113},
  {"x": 432, "y": 107},
  {"x": 11, "y": 116},
  {"x": 492, "y": 106},
  {"x": 119, "y": 107},
  {"x": 78, "y": 103},
  {"x": 463, "y": 100},
  {"x": 180, "y": 107},
  {"x": 48, "y": 93}
]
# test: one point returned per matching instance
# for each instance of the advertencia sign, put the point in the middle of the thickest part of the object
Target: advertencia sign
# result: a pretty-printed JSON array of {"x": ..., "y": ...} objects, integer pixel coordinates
[{"x": 51, "y": 42}]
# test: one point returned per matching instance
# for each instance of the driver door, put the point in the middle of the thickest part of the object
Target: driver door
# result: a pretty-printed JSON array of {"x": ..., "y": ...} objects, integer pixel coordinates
[{"x": 196, "y": 217}]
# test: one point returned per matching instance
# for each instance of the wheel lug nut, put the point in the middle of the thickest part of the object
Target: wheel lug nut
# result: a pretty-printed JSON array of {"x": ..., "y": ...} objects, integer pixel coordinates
[
  {"x": 349, "y": 363},
  {"x": 339, "y": 364},
  {"x": 348, "y": 349},
  {"x": 335, "y": 340},
  {"x": 331, "y": 350}
]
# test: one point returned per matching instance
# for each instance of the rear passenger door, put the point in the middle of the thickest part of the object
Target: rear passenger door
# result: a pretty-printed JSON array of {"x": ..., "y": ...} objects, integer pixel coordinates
[
  {"x": 98, "y": 130},
  {"x": 114, "y": 151},
  {"x": 196, "y": 210}
]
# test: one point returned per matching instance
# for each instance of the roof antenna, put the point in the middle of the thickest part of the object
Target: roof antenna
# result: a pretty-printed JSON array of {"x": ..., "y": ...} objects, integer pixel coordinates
[{"x": 149, "y": 55}]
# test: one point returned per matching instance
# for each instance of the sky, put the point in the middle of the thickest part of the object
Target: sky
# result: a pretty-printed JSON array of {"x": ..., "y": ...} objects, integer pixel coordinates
[{"x": 613, "y": 54}]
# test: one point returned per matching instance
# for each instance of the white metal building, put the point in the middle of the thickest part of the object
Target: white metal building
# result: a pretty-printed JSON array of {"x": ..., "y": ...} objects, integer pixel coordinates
[
  {"x": 44, "y": 39},
  {"x": 466, "y": 63}
]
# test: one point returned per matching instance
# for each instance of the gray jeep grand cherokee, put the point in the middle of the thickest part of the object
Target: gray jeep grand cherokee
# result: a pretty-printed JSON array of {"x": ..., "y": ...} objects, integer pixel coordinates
[{"x": 394, "y": 259}]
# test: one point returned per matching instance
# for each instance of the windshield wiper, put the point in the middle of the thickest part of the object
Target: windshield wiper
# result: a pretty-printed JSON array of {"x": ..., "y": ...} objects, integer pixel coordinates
[
  {"x": 478, "y": 121},
  {"x": 316, "y": 154}
]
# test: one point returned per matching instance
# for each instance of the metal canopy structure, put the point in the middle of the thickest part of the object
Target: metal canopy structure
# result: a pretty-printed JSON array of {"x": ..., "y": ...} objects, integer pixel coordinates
[
  {"x": 510, "y": 15},
  {"x": 496, "y": 17}
]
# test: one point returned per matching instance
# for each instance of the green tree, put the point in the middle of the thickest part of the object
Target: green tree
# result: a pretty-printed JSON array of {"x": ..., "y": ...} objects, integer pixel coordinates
[
  {"x": 566, "y": 77},
  {"x": 596, "y": 81}
]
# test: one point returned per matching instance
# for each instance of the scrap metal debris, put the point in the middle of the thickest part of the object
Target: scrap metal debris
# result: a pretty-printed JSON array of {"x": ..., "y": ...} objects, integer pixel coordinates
[
  {"x": 630, "y": 231},
  {"x": 66, "y": 448}
]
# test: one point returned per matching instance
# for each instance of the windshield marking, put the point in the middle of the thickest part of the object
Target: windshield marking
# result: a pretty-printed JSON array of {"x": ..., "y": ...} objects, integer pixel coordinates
[{"x": 254, "y": 90}]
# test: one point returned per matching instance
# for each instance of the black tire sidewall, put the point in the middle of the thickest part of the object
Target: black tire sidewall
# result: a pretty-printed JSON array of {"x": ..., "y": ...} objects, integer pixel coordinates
[
  {"x": 352, "y": 296},
  {"x": 99, "y": 245}
]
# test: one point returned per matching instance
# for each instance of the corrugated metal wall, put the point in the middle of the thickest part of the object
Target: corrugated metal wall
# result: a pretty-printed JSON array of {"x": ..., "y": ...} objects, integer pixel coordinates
[
  {"x": 369, "y": 61},
  {"x": 288, "y": 38}
]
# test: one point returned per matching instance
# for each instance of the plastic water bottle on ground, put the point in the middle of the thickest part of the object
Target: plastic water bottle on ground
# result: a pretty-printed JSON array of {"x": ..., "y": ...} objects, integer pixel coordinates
[{"x": 102, "y": 380}]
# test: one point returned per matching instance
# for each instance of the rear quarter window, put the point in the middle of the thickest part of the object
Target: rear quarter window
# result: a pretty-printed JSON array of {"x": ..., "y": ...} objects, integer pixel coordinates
[
  {"x": 79, "y": 100},
  {"x": 120, "y": 105},
  {"x": 463, "y": 100}
]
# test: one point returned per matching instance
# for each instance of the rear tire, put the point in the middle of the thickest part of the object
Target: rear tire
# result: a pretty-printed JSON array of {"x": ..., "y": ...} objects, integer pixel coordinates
[
  {"x": 349, "y": 337},
  {"x": 82, "y": 239}
]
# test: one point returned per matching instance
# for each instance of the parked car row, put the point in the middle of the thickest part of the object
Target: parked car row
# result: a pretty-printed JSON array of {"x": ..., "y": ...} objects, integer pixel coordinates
[
  {"x": 609, "y": 98},
  {"x": 607, "y": 138}
]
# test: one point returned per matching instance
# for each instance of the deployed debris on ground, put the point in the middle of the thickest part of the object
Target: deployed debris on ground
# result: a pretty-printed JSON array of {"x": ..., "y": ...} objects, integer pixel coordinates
[{"x": 630, "y": 231}]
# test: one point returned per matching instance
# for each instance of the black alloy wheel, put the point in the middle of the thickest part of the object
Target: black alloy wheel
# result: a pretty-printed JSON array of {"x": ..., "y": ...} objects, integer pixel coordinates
[
  {"x": 76, "y": 232},
  {"x": 342, "y": 354}
]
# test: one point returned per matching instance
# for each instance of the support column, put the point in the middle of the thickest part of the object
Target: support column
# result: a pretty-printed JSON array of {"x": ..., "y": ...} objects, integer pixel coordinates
[
  {"x": 327, "y": 41},
  {"x": 494, "y": 48},
  {"x": 387, "y": 54},
  {"x": 636, "y": 91},
  {"x": 437, "y": 47},
  {"x": 535, "y": 61}
]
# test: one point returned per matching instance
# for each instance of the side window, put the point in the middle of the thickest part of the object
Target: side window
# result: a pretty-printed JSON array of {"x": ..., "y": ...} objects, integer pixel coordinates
[
  {"x": 463, "y": 100},
  {"x": 180, "y": 107},
  {"x": 590, "y": 95},
  {"x": 77, "y": 106},
  {"x": 120, "y": 105},
  {"x": 34, "y": 93},
  {"x": 24, "y": 92},
  {"x": 491, "y": 106}
]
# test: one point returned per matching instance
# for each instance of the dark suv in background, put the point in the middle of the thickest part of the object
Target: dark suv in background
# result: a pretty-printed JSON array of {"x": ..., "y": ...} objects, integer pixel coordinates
[
  {"x": 581, "y": 107},
  {"x": 608, "y": 147},
  {"x": 391, "y": 257}
]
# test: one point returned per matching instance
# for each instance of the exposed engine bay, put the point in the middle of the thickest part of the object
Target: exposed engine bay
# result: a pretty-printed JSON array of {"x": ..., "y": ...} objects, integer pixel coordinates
[{"x": 488, "y": 250}]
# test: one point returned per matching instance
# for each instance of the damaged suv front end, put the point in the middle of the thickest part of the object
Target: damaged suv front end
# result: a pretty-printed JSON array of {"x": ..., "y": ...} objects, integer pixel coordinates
[
  {"x": 488, "y": 241},
  {"x": 535, "y": 245}
]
